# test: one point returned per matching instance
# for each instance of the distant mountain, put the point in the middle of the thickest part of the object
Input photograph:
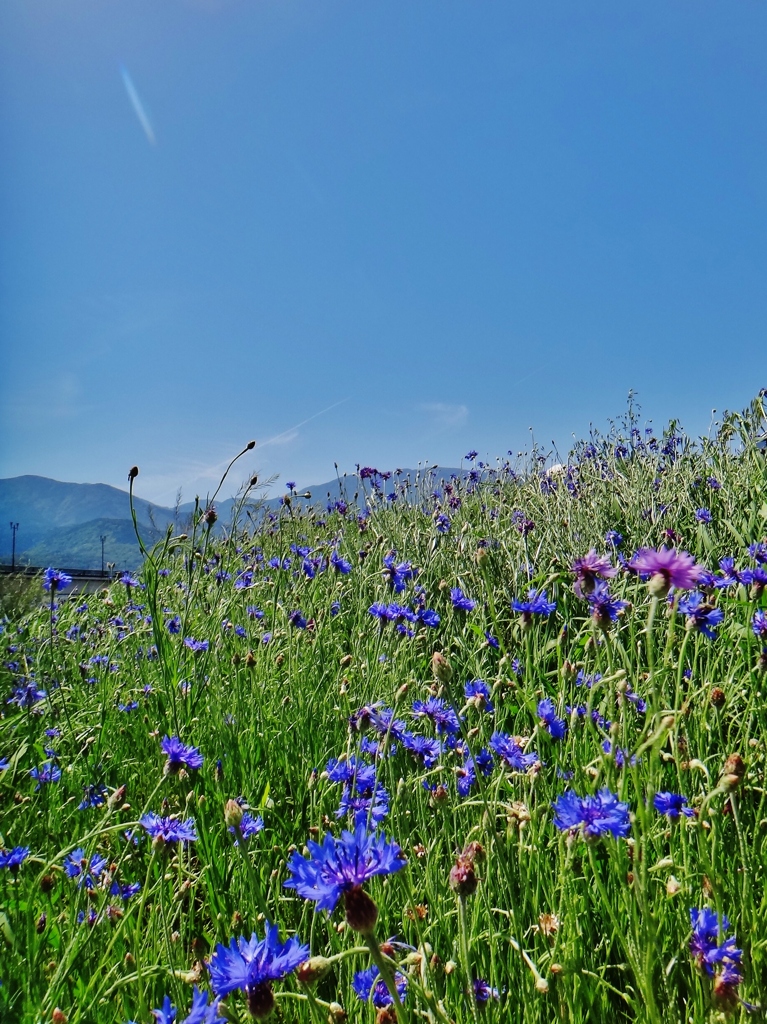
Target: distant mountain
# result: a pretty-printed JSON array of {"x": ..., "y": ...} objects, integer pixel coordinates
[{"x": 62, "y": 523}]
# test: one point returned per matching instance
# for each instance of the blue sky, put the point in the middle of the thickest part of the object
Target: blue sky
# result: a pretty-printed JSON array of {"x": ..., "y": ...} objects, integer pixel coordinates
[{"x": 376, "y": 232}]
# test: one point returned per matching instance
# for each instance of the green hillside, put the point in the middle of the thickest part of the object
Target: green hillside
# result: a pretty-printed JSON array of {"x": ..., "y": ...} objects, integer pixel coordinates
[{"x": 80, "y": 546}]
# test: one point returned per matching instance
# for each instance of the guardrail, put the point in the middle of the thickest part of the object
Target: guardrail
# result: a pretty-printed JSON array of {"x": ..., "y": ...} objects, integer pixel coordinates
[{"x": 76, "y": 574}]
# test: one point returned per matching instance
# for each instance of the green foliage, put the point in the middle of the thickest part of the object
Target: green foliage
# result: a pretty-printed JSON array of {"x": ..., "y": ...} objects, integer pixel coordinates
[{"x": 564, "y": 928}]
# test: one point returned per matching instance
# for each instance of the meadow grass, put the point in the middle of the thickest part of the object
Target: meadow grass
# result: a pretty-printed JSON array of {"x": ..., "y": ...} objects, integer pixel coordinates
[{"x": 260, "y": 650}]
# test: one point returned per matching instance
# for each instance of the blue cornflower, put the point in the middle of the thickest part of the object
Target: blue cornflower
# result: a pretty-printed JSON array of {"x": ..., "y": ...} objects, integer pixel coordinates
[
  {"x": 297, "y": 619},
  {"x": 93, "y": 796},
  {"x": 619, "y": 755},
  {"x": 253, "y": 612},
  {"x": 173, "y": 625},
  {"x": 253, "y": 965},
  {"x": 13, "y": 859},
  {"x": 248, "y": 827},
  {"x": 27, "y": 695},
  {"x": 200, "y": 1013},
  {"x": 352, "y": 769},
  {"x": 425, "y": 748},
  {"x": 759, "y": 625},
  {"x": 614, "y": 538},
  {"x": 76, "y": 865},
  {"x": 604, "y": 607},
  {"x": 536, "y": 604},
  {"x": 48, "y": 772},
  {"x": 672, "y": 805},
  {"x": 429, "y": 617},
  {"x": 197, "y": 646},
  {"x": 128, "y": 581},
  {"x": 477, "y": 692},
  {"x": 460, "y": 601},
  {"x": 397, "y": 574},
  {"x": 54, "y": 579},
  {"x": 369, "y": 985},
  {"x": 341, "y": 565},
  {"x": 706, "y": 949},
  {"x": 510, "y": 752},
  {"x": 547, "y": 712},
  {"x": 442, "y": 522},
  {"x": 440, "y": 713},
  {"x": 593, "y": 815},
  {"x": 492, "y": 641},
  {"x": 180, "y": 755},
  {"x": 4, "y": 763},
  {"x": 340, "y": 867},
  {"x": 168, "y": 830},
  {"x": 703, "y": 515},
  {"x": 367, "y": 806},
  {"x": 700, "y": 615}
]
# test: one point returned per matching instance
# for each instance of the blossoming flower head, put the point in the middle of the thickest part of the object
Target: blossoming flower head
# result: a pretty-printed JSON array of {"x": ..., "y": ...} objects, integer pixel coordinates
[
  {"x": 536, "y": 604},
  {"x": 594, "y": 816},
  {"x": 588, "y": 569},
  {"x": 253, "y": 965},
  {"x": 166, "y": 831},
  {"x": 201, "y": 1012},
  {"x": 55, "y": 579},
  {"x": 340, "y": 867},
  {"x": 667, "y": 568},
  {"x": 721, "y": 960},
  {"x": 672, "y": 805},
  {"x": 547, "y": 713},
  {"x": 460, "y": 601},
  {"x": 180, "y": 756},
  {"x": 13, "y": 859},
  {"x": 370, "y": 986},
  {"x": 510, "y": 752},
  {"x": 604, "y": 607},
  {"x": 700, "y": 615}
]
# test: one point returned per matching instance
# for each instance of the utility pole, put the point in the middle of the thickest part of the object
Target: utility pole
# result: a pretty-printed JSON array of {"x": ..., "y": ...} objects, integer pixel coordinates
[
  {"x": 14, "y": 528},
  {"x": 103, "y": 540}
]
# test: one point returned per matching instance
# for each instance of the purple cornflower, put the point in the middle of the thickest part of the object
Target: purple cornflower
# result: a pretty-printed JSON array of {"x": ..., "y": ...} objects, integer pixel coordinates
[
  {"x": 13, "y": 859},
  {"x": 510, "y": 752},
  {"x": 667, "y": 568},
  {"x": 369, "y": 985},
  {"x": 588, "y": 569},
  {"x": 128, "y": 581},
  {"x": 477, "y": 692},
  {"x": 48, "y": 772},
  {"x": 340, "y": 867},
  {"x": 483, "y": 992},
  {"x": 703, "y": 515},
  {"x": 173, "y": 625},
  {"x": 592, "y": 815},
  {"x": 201, "y": 1012},
  {"x": 180, "y": 756},
  {"x": 460, "y": 601},
  {"x": 248, "y": 827},
  {"x": 168, "y": 830},
  {"x": 196, "y": 645},
  {"x": 700, "y": 615},
  {"x": 253, "y": 965},
  {"x": 720, "y": 960},
  {"x": 672, "y": 805},
  {"x": 547, "y": 713},
  {"x": 55, "y": 579},
  {"x": 604, "y": 608},
  {"x": 536, "y": 604}
]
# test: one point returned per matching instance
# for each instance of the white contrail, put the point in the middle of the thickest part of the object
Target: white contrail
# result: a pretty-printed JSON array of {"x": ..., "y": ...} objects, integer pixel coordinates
[
  {"x": 302, "y": 423},
  {"x": 137, "y": 105}
]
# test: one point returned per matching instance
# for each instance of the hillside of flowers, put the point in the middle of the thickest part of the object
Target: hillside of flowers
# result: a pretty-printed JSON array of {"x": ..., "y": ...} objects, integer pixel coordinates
[{"x": 480, "y": 749}]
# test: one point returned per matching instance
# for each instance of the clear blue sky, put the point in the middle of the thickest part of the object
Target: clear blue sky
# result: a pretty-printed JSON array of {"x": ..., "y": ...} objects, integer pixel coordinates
[{"x": 218, "y": 219}]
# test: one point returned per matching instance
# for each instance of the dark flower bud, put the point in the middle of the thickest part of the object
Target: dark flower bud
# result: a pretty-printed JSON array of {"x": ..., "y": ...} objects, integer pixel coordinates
[
  {"x": 133, "y": 472},
  {"x": 59, "y": 1017},
  {"x": 733, "y": 771},
  {"x": 463, "y": 878},
  {"x": 210, "y": 515},
  {"x": 260, "y": 1000},
  {"x": 250, "y": 659},
  {"x": 386, "y": 1015},
  {"x": 250, "y": 446},
  {"x": 41, "y": 923},
  {"x": 361, "y": 911},
  {"x": 717, "y": 697},
  {"x": 47, "y": 883},
  {"x": 254, "y": 480}
]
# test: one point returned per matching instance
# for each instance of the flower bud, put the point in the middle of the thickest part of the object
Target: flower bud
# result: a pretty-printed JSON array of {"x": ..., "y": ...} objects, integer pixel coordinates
[
  {"x": 133, "y": 472},
  {"x": 313, "y": 969},
  {"x": 250, "y": 446},
  {"x": 659, "y": 586},
  {"x": 733, "y": 771},
  {"x": 59, "y": 1017},
  {"x": 440, "y": 666},
  {"x": 361, "y": 911},
  {"x": 232, "y": 814}
]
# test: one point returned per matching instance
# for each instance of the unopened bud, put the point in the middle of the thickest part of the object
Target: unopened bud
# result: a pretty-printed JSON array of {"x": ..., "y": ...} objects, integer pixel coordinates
[
  {"x": 232, "y": 814},
  {"x": 733, "y": 771},
  {"x": 250, "y": 446},
  {"x": 133, "y": 472},
  {"x": 313, "y": 969},
  {"x": 59, "y": 1017},
  {"x": 440, "y": 666}
]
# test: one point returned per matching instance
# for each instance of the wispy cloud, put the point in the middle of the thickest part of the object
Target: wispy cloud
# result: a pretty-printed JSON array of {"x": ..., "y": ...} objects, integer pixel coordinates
[
  {"x": 138, "y": 106},
  {"x": 444, "y": 415}
]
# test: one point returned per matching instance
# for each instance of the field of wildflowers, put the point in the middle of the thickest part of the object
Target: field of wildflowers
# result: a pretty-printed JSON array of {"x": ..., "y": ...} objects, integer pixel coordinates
[{"x": 482, "y": 749}]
